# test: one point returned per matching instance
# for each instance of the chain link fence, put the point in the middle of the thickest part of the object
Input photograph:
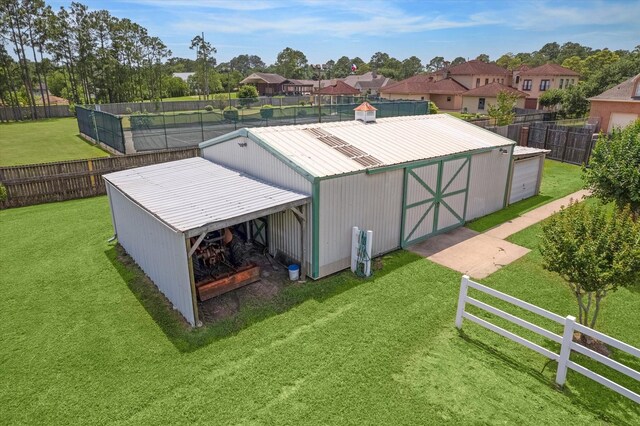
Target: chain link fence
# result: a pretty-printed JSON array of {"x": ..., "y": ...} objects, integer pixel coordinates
[
  {"x": 180, "y": 130},
  {"x": 101, "y": 127}
]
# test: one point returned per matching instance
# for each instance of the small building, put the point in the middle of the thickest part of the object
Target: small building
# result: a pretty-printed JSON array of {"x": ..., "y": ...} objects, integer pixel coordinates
[
  {"x": 298, "y": 87},
  {"x": 478, "y": 100},
  {"x": 446, "y": 94},
  {"x": 536, "y": 81},
  {"x": 337, "y": 92},
  {"x": 618, "y": 106},
  {"x": 368, "y": 83},
  {"x": 404, "y": 178},
  {"x": 526, "y": 172}
]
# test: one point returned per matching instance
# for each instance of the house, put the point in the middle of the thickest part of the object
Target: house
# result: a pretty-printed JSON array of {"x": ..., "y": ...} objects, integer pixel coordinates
[
  {"x": 184, "y": 76},
  {"x": 266, "y": 83},
  {"x": 618, "y": 106},
  {"x": 298, "y": 87},
  {"x": 308, "y": 186},
  {"x": 446, "y": 94},
  {"x": 368, "y": 83},
  {"x": 535, "y": 81},
  {"x": 478, "y": 100},
  {"x": 474, "y": 73}
]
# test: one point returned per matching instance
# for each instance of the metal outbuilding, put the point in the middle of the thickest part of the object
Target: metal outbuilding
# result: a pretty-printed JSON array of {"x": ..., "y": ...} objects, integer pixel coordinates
[
  {"x": 404, "y": 178},
  {"x": 526, "y": 172},
  {"x": 157, "y": 211}
]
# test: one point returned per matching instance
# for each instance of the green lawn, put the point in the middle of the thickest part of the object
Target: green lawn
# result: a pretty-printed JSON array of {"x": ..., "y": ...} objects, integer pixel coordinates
[
  {"x": 85, "y": 341},
  {"x": 44, "y": 141},
  {"x": 558, "y": 180}
]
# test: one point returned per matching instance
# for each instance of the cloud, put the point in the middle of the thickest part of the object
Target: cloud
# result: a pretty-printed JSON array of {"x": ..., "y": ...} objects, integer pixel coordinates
[
  {"x": 549, "y": 16},
  {"x": 240, "y": 5}
]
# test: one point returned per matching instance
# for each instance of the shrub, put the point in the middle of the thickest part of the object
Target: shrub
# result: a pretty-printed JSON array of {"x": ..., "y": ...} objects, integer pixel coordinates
[
  {"x": 266, "y": 111},
  {"x": 72, "y": 108},
  {"x": 433, "y": 108},
  {"x": 140, "y": 120},
  {"x": 3, "y": 192},
  {"x": 302, "y": 103},
  {"x": 230, "y": 113},
  {"x": 128, "y": 111},
  {"x": 208, "y": 108},
  {"x": 247, "y": 94}
]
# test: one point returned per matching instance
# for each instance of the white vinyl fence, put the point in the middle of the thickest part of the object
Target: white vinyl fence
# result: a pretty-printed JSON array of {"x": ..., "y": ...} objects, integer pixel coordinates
[{"x": 566, "y": 340}]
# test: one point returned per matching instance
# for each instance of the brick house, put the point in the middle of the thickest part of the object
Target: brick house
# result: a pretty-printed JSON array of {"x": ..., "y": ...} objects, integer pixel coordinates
[
  {"x": 478, "y": 100},
  {"x": 536, "y": 81},
  {"x": 266, "y": 83},
  {"x": 445, "y": 93},
  {"x": 618, "y": 106}
]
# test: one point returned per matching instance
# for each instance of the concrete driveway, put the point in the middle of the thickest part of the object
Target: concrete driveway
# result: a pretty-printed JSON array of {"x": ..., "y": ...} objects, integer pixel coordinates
[{"x": 480, "y": 255}]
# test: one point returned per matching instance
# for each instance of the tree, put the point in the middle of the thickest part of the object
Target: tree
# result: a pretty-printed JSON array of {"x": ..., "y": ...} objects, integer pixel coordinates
[
  {"x": 509, "y": 61},
  {"x": 291, "y": 63},
  {"x": 550, "y": 51},
  {"x": 594, "y": 252},
  {"x": 574, "y": 101},
  {"x": 614, "y": 168},
  {"x": 551, "y": 98},
  {"x": 597, "y": 61},
  {"x": 247, "y": 94},
  {"x": 483, "y": 57},
  {"x": 378, "y": 60},
  {"x": 411, "y": 66},
  {"x": 502, "y": 111},
  {"x": 574, "y": 63},
  {"x": 435, "y": 64},
  {"x": 204, "y": 51},
  {"x": 175, "y": 86},
  {"x": 342, "y": 67},
  {"x": 457, "y": 61}
]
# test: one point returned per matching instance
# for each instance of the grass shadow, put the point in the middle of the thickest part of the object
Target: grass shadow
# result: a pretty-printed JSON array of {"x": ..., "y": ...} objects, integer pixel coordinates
[
  {"x": 188, "y": 339},
  {"x": 607, "y": 406},
  {"x": 511, "y": 212}
]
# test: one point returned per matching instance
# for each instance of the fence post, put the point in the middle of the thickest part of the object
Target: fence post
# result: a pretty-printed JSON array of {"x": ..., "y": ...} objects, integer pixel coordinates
[
  {"x": 546, "y": 138},
  {"x": 164, "y": 127},
  {"x": 201, "y": 128},
  {"x": 462, "y": 300},
  {"x": 566, "y": 140},
  {"x": 565, "y": 350}
]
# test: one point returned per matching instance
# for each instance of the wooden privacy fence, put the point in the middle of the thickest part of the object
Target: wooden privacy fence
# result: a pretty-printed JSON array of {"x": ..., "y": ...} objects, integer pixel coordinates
[
  {"x": 66, "y": 180},
  {"x": 566, "y": 340},
  {"x": 8, "y": 113}
]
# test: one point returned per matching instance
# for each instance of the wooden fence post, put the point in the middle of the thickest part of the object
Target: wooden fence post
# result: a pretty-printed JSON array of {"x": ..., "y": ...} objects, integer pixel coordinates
[
  {"x": 565, "y": 350},
  {"x": 566, "y": 140},
  {"x": 462, "y": 300},
  {"x": 91, "y": 175}
]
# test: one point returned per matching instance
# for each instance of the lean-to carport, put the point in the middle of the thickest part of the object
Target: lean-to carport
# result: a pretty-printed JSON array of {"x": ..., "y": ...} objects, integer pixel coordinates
[{"x": 157, "y": 210}]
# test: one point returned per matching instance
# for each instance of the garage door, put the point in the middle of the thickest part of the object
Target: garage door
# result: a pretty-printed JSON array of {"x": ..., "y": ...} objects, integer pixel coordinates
[
  {"x": 434, "y": 198},
  {"x": 525, "y": 179},
  {"x": 620, "y": 119}
]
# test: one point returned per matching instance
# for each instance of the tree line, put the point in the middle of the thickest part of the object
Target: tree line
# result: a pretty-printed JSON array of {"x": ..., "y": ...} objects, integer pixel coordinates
[{"x": 89, "y": 57}]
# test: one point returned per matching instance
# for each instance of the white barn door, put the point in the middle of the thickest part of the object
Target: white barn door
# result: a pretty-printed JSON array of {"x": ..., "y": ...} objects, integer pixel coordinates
[
  {"x": 525, "y": 179},
  {"x": 435, "y": 198}
]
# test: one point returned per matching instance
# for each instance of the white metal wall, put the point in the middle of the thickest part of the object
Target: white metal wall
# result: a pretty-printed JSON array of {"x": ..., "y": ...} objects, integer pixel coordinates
[
  {"x": 524, "y": 182},
  {"x": 487, "y": 183},
  {"x": 244, "y": 155},
  {"x": 372, "y": 202},
  {"x": 284, "y": 235},
  {"x": 159, "y": 251}
]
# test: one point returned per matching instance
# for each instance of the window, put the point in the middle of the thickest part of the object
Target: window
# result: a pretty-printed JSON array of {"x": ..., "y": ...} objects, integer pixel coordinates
[
  {"x": 448, "y": 98},
  {"x": 526, "y": 85},
  {"x": 422, "y": 98},
  {"x": 517, "y": 79},
  {"x": 481, "y": 104},
  {"x": 561, "y": 81},
  {"x": 637, "y": 94},
  {"x": 477, "y": 82},
  {"x": 486, "y": 81},
  {"x": 494, "y": 80},
  {"x": 544, "y": 85}
]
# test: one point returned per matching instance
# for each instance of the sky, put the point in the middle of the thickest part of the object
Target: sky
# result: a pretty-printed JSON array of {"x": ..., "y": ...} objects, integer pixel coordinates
[{"x": 329, "y": 29}]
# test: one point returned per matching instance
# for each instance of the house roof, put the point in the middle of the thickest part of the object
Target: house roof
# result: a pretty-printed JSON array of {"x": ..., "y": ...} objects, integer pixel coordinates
[
  {"x": 620, "y": 92},
  {"x": 475, "y": 67},
  {"x": 425, "y": 84},
  {"x": 300, "y": 82},
  {"x": 326, "y": 149},
  {"x": 263, "y": 77},
  {"x": 525, "y": 151},
  {"x": 549, "y": 69},
  {"x": 491, "y": 90},
  {"x": 340, "y": 88},
  {"x": 190, "y": 194}
]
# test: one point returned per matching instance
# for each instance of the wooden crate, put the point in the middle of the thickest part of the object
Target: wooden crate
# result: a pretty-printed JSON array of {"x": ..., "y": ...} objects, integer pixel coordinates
[{"x": 231, "y": 281}]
